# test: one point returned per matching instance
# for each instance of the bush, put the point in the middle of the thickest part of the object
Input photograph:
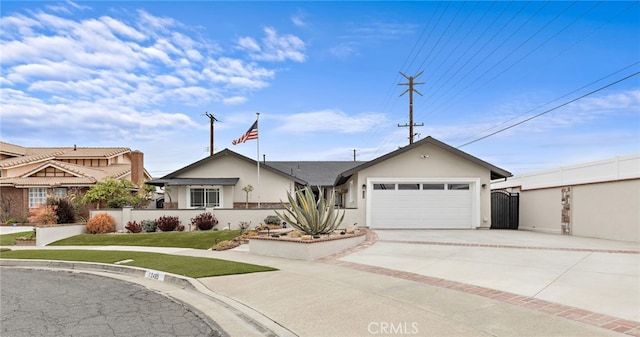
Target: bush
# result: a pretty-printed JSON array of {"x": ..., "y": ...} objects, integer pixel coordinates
[
  {"x": 101, "y": 223},
  {"x": 43, "y": 215},
  {"x": 133, "y": 227},
  {"x": 149, "y": 226},
  {"x": 65, "y": 210},
  {"x": 204, "y": 221},
  {"x": 180, "y": 228},
  {"x": 167, "y": 223},
  {"x": 272, "y": 220}
]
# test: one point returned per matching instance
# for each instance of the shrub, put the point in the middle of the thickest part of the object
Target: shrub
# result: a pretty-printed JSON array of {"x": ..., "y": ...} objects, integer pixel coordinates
[
  {"x": 167, "y": 223},
  {"x": 133, "y": 227},
  {"x": 101, "y": 223},
  {"x": 65, "y": 210},
  {"x": 149, "y": 226},
  {"x": 43, "y": 215},
  {"x": 224, "y": 245},
  {"x": 204, "y": 221},
  {"x": 272, "y": 220},
  {"x": 180, "y": 228}
]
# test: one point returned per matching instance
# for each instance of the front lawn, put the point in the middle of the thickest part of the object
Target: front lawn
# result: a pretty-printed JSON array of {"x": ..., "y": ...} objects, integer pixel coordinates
[
  {"x": 195, "y": 239},
  {"x": 10, "y": 239},
  {"x": 181, "y": 265}
]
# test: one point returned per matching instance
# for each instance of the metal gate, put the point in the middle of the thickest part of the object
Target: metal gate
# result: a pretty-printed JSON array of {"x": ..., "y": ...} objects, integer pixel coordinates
[{"x": 504, "y": 209}]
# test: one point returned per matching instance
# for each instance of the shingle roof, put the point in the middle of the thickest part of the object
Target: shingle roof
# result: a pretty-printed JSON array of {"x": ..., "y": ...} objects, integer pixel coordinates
[{"x": 315, "y": 173}]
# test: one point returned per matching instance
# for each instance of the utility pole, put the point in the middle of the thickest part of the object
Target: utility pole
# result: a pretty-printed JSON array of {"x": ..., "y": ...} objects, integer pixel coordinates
[
  {"x": 354, "y": 154},
  {"x": 411, "y": 90},
  {"x": 212, "y": 119}
]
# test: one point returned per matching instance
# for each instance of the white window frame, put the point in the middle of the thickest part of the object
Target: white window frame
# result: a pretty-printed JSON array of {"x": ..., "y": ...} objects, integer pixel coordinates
[
  {"x": 60, "y": 192},
  {"x": 37, "y": 196},
  {"x": 205, "y": 188}
]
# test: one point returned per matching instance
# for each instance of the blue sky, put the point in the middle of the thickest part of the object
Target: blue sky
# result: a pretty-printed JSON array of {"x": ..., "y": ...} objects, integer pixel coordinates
[{"x": 324, "y": 77}]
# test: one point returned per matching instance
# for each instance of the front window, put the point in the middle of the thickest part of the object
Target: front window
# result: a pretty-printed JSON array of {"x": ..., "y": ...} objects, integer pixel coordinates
[
  {"x": 204, "y": 197},
  {"x": 37, "y": 196},
  {"x": 60, "y": 192}
]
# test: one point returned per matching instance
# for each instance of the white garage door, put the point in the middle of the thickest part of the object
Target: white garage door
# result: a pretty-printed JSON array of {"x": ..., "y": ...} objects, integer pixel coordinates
[{"x": 421, "y": 205}]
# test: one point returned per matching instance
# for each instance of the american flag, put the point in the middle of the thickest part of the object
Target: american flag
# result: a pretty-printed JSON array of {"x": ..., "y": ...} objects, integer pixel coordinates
[{"x": 252, "y": 133}]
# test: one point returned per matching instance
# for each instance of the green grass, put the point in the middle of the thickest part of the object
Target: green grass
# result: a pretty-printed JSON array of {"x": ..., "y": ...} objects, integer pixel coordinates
[
  {"x": 180, "y": 265},
  {"x": 10, "y": 239},
  {"x": 195, "y": 239}
]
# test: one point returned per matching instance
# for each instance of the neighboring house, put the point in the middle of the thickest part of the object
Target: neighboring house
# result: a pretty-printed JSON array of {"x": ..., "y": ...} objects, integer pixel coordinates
[
  {"x": 598, "y": 199},
  {"x": 427, "y": 184},
  {"x": 28, "y": 175}
]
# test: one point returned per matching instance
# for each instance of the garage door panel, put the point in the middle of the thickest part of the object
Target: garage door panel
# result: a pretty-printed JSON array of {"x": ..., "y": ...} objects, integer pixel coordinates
[{"x": 421, "y": 209}]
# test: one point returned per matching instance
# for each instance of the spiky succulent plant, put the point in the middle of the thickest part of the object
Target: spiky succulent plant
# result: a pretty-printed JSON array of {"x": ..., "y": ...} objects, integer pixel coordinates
[{"x": 311, "y": 216}]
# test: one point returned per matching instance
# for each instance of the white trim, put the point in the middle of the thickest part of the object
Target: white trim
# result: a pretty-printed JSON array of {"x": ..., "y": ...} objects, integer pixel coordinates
[{"x": 474, "y": 189}]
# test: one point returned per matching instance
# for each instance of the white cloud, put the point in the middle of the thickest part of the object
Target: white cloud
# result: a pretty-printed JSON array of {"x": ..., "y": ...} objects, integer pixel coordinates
[
  {"x": 331, "y": 120},
  {"x": 234, "y": 100},
  {"x": 111, "y": 76},
  {"x": 298, "y": 19},
  {"x": 274, "y": 47}
]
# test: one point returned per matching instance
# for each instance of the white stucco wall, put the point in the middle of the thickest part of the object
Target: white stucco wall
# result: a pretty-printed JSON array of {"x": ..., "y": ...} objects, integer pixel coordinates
[
  {"x": 607, "y": 210},
  {"x": 540, "y": 210}
]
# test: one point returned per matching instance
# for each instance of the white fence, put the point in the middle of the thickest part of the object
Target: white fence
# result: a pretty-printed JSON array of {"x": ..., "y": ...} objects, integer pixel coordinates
[{"x": 227, "y": 218}]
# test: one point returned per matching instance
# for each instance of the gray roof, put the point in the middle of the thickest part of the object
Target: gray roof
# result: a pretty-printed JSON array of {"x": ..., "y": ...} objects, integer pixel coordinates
[
  {"x": 315, "y": 173},
  {"x": 193, "y": 181}
]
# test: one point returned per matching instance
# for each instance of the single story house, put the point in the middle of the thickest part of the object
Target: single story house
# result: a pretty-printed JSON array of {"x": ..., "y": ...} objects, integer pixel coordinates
[
  {"x": 28, "y": 175},
  {"x": 598, "y": 199},
  {"x": 427, "y": 184}
]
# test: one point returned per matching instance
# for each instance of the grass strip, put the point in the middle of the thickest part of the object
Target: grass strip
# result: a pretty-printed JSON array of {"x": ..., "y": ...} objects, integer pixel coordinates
[
  {"x": 176, "y": 264},
  {"x": 195, "y": 239},
  {"x": 10, "y": 239}
]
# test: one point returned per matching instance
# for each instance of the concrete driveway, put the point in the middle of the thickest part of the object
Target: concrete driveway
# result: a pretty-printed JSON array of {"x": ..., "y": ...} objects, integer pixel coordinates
[{"x": 600, "y": 276}]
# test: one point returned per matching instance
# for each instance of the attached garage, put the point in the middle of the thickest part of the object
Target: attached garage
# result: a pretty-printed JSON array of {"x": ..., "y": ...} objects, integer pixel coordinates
[
  {"x": 411, "y": 204},
  {"x": 425, "y": 185}
]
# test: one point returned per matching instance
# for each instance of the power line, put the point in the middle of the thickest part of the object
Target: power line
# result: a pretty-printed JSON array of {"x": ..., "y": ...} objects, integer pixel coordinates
[
  {"x": 552, "y": 109},
  {"x": 558, "y": 98}
]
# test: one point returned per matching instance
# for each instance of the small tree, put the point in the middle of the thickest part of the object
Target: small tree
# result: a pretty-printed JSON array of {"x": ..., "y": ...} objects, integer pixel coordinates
[
  {"x": 311, "y": 216},
  {"x": 246, "y": 190},
  {"x": 116, "y": 193}
]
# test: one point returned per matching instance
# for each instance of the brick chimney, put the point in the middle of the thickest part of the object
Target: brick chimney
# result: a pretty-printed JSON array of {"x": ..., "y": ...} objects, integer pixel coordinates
[{"x": 137, "y": 167}]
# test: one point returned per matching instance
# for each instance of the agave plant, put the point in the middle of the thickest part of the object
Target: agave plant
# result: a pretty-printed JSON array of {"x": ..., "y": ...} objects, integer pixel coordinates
[{"x": 311, "y": 216}]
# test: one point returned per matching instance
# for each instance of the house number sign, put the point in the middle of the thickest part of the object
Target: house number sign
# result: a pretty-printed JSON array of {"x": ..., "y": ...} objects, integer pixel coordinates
[{"x": 154, "y": 275}]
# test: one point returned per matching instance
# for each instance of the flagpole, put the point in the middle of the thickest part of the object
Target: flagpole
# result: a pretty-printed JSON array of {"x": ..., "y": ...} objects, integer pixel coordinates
[{"x": 258, "y": 154}]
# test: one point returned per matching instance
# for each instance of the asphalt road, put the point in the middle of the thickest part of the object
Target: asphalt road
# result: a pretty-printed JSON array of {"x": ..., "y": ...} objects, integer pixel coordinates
[{"x": 62, "y": 303}]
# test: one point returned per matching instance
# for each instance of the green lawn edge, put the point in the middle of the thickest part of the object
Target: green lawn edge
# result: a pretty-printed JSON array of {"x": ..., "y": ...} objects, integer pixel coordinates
[
  {"x": 190, "y": 266},
  {"x": 195, "y": 239}
]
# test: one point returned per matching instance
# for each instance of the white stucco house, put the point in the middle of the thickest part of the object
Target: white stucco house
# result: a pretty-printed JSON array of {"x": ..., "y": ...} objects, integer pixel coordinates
[{"x": 427, "y": 184}]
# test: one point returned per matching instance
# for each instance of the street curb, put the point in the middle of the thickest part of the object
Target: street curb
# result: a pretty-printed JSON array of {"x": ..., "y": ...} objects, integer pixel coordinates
[{"x": 264, "y": 325}]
